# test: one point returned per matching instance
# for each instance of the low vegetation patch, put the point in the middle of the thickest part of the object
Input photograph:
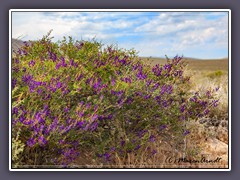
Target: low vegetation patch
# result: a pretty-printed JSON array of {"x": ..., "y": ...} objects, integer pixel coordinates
[{"x": 215, "y": 74}]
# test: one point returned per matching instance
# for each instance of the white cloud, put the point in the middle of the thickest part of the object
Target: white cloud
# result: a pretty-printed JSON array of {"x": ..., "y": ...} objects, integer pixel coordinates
[
  {"x": 64, "y": 24},
  {"x": 155, "y": 35},
  {"x": 186, "y": 31}
]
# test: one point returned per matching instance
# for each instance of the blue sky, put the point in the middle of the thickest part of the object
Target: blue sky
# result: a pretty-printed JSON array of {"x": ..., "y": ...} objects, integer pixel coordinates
[{"x": 191, "y": 34}]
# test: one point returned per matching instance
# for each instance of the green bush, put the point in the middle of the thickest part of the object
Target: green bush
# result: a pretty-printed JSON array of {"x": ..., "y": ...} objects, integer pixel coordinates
[{"x": 72, "y": 97}]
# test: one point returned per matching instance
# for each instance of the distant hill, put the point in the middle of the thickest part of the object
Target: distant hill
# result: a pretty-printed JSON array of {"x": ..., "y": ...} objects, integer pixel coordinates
[
  {"x": 195, "y": 64},
  {"x": 16, "y": 44}
]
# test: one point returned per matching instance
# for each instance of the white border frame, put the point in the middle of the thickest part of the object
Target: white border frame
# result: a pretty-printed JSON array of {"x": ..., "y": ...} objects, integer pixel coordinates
[{"x": 122, "y": 10}]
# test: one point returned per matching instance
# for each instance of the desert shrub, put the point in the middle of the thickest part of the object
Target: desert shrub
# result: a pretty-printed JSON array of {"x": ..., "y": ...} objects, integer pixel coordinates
[{"x": 72, "y": 96}]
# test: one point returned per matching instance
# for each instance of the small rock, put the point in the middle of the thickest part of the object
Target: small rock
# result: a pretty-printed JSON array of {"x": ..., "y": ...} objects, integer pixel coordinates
[{"x": 216, "y": 147}]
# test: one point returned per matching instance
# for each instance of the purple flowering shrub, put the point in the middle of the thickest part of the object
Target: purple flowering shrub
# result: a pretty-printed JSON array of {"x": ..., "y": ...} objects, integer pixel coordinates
[{"x": 73, "y": 97}]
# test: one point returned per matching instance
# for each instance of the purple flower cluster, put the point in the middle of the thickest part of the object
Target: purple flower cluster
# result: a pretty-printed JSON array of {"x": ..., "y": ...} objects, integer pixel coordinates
[
  {"x": 27, "y": 78},
  {"x": 166, "y": 89},
  {"x": 157, "y": 70},
  {"x": 127, "y": 80},
  {"x": 52, "y": 56},
  {"x": 68, "y": 155},
  {"x": 31, "y": 63},
  {"x": 14, "y": 82},
  {"x": 140, "y": 75},
  {"x": 152, "y": 138},
  {"x": 186, "y": 132}
]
